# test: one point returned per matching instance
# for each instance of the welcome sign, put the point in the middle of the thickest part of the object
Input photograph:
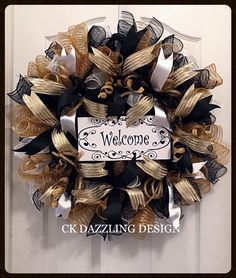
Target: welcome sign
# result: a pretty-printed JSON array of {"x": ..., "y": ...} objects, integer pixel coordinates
[{"x": 111, "y": 139}]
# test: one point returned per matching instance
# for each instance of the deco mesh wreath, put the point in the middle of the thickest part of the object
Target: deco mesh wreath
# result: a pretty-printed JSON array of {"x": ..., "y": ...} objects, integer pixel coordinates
[{"x": 128, "y": 78}]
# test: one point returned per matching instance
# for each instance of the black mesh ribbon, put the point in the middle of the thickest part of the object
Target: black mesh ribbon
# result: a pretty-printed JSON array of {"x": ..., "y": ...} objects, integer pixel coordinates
[
  {"x": 96, "y": 36},
  {"x": 71, "y": 95},
  {"x": 171, "y": 44},
  {"x": 215, "y": 170},
  {"x": 127, "y": 175},
  {"x": 116, "y": 197},
  {"x": 71, "y": 184},
  {"x": 35, "y": 199},
  {"x": 201, "y": 111},
  {"x": 200, "y": 80},
  {"x": 23, "y": 87},
  {"x": 118, "y": 105},
  {"x": 130, "y": 42},
  {"x": 37, "y": 144}
]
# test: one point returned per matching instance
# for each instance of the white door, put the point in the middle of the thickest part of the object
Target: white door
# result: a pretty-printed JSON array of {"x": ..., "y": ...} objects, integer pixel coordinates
[{"x": 34, "y": 240}]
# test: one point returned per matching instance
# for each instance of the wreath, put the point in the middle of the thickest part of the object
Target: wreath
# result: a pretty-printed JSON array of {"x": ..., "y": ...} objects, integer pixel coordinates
[{"x": 125, "y": 78}]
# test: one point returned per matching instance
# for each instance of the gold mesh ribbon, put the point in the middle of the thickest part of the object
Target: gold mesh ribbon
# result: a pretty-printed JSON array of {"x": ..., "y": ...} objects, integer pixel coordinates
[
  {"x": 52, "y": 194},
  {"x": 179, "y": 76},
  {"x": 194, "y": 143},
  {"x": 48, "y": 176},
  {"x": 39, "y": 109},
  {"x": 118, "y": 167},
  {"x": 100, "y": 211},
  {"x": 152, "y": 168},
  {"x": 107, "y": 89},
  {"x": 153, "y": 189},
  {"x": 61, "y": 143},
  {"x": 136, "y": 197},
  {"x": 46, "y": 87},
  {"x": 95, "y": 109},
  {"x": 222, "y": 153},
  {"x": 104, "y": 62},
  {"x": 114, "y": 56},
  {"x": 144, "y": 217},
  {"x": 83, "y": 64},
  {"x": 204, "y": 185},
  {"x": 81, "y": 214},
  {"x": 92, "y": 170},
  {"x": 186, "y": 190},
  {"x": 144, "y": 42},
  {"x": 76, "y": 37},
  {"x": 139, "y": 110},
  {"x": 128, "y": 82},
  {"x": 91, "y": 196},
  {"x": 32, "y": 70},
  {"x": 214, "y": 134},
  {"x": 61, "y": 75},
  {"x": 211, "y": 132},
  {"x": 24, "y": 122},
  {"x": 63, "y": 39},
  {"x": 56, "y": 48},
  {"x": 30, "y": 163},
  {"x": 178, "y": 149},
  {"x": 214, "y": 78},
  {"x": 79, "y": 38},
  {"x": 189, "y": 100},
  {"x": 39, "y": 67},
  {"x": 138, "y": 59}
]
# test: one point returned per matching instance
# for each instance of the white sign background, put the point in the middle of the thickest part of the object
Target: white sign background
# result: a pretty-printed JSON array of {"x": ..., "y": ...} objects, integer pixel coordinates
[{"x": 104, "y": 140}]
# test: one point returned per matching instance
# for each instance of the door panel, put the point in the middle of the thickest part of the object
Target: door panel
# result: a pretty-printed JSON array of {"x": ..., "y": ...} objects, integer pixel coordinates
[
  {"x": 204, "y": 244},
  {"x": 34, "y": 240}
]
